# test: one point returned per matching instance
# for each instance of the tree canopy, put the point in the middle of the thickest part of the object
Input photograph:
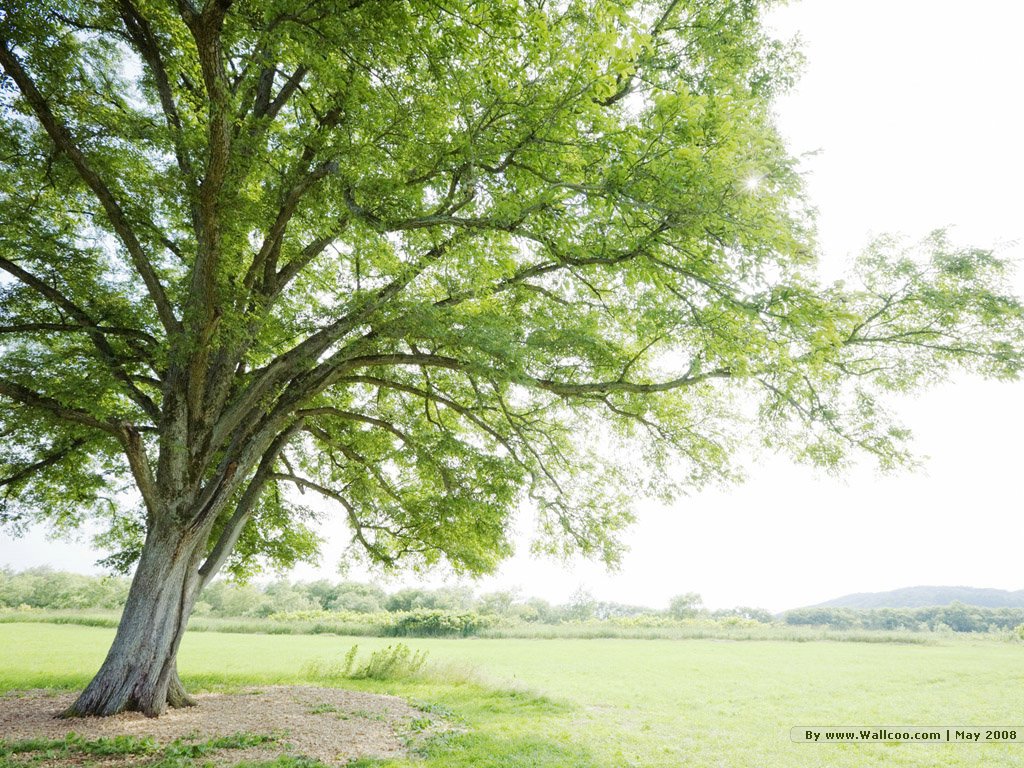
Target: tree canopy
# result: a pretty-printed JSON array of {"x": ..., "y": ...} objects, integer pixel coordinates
[{"x": 427, "y": 259}]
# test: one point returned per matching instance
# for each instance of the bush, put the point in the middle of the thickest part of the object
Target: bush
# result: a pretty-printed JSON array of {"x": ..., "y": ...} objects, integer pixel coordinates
[{"x": 432, "y": 623}]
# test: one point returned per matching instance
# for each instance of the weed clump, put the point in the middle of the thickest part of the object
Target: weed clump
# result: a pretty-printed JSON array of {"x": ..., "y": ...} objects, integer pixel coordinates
[{"x": 395, "y": 662}]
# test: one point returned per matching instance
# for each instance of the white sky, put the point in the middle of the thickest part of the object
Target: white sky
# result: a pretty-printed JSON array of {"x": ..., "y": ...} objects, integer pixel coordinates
[{"x": 915, "y": 106}]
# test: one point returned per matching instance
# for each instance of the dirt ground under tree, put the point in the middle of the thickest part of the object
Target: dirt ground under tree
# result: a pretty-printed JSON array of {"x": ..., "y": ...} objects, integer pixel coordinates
[{"x": 332, "y": 725}]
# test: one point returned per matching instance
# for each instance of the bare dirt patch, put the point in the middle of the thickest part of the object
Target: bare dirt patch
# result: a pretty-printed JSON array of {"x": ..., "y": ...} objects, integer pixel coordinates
[{"x": 329, "y": 724}]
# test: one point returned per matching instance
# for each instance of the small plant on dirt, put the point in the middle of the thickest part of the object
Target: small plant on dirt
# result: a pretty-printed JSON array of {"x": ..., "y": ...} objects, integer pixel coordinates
[
  {"x": 75, "y": 744},
  {"x": 72, "y": 749},
  {"x": 420, "y": 724},
  {"x": 321, "y": 709},
  {"x": 433, "y": 708},
  {"x": 365, "y": 714}
]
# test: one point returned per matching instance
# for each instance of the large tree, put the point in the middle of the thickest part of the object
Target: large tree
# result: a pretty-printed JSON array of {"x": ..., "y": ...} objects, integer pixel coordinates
[{"x": 429, "y": 259}]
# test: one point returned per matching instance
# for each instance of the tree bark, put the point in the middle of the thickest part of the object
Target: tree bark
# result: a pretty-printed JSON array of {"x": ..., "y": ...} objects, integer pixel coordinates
[{"x": 140, "y": 671}]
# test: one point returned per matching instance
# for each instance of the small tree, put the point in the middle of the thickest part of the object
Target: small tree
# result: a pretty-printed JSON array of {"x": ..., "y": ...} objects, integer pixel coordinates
[
  {"x": 445, "y": 598},
  {"x": 422, "y": 260},
  {"x": 286, "y": 597},
  {"x": 685, "y": 606},
  {"x": 499, "y": 603},
  {"x": 581, "y": 606},
  {"x": 227, "y": 599},
  {"x": 538, "y": 610},
  {"x": 361, "y": 598}
]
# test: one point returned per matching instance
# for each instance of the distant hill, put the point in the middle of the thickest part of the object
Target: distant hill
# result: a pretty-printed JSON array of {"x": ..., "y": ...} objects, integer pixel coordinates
[{"x": 921, "y": 597}]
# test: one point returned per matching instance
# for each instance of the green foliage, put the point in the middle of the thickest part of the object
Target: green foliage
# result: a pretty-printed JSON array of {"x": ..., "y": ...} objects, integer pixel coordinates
[
  {"x": 349, "y": 661},
  {"x": 536, "y": 609},
  {"x": 226, "y": 599},
  {"x": 581, "y": 606},
  {"x": 837, "y": 618}
]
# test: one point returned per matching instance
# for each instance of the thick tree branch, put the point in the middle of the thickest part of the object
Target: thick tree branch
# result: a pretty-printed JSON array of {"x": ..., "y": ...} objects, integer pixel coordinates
[
  {"x": 89, "y": 326},
  {"x": 343, "y": 366},
  {"x": 62, "y": 139},
  {"x": 138, "y": 461},
  {"x": 302, "y": 357},
  {"x": 246, "y": 504},
  {"x": 340, "y": 413},
  {"x": 264, "y": 265},
  {"x": 432, "y": 396},
  {"x": 133, "y": 335},
  {"x": 106, "y": 330},
  {"x": 290, "y": 270},
  {"x": 290, "y": 86},
  {"x": 55, "y": 408},
  {"x": 306, "y": 177},
  {"x": 625, "y": 84},
  {"x": 261, "y": 98},
  {"x": 353, "y": 517},
  {"x": 206, "y": 29},
  {"x": 47, "y": 461},
  {"x": 140, "y": 32}
]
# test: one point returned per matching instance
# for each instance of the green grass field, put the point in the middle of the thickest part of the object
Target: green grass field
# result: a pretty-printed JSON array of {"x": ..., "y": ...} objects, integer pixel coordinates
[{"x": 614, "y": 703}]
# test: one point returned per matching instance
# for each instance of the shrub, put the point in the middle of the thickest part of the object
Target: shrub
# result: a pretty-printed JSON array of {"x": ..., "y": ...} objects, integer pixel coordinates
[{"x": 433, "y": 623}]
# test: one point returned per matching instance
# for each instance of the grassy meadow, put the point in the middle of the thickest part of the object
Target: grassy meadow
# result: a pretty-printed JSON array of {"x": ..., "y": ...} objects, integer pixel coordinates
[{"x": 611, "y": 703}]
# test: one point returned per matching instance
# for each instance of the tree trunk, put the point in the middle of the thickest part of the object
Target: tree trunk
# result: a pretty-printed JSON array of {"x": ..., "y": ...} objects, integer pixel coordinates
[{"x": 140, "y": 671}]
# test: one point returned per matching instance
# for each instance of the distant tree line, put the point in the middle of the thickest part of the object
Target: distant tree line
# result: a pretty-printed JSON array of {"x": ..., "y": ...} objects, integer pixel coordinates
[
  {"x": 45, "y": 588},
  {"x": 57, "y": 590},
  {"x": 458, "y": 610},
  {"x": 957, "y": 617}
]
